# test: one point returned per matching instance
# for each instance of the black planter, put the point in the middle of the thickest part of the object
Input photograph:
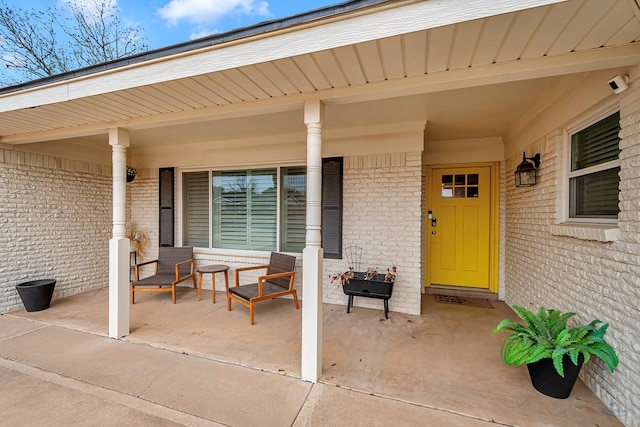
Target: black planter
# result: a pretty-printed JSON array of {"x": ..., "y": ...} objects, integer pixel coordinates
[
  {"x": 375, "y": 287},
  {"x": 36, "y": 294},
  {"x": 546, "y": 379}
]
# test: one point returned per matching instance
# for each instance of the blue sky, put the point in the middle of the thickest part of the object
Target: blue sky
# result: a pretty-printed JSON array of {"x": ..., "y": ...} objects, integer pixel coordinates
[{"x": 167, "y": 22}]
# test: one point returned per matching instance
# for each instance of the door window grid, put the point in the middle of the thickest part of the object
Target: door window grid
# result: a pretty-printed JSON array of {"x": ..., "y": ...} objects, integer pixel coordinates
[{"x": 460, "y": 186}]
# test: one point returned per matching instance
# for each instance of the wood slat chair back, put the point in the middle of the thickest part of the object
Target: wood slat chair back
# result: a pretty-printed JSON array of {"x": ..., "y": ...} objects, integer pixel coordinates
[{"x": 278, "y": 281}]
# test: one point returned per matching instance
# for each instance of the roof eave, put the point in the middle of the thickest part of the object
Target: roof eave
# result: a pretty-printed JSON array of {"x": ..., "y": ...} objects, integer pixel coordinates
[{"x": 202, "y": 43}]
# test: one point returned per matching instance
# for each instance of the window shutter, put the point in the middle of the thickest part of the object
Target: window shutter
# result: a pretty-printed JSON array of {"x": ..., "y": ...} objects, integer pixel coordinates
[
  {"x": 166, "y": 195},
  {"x": 332, "y": 174}
]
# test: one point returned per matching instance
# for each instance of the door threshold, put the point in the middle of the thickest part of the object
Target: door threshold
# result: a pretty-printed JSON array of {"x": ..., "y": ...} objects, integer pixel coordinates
[{"x": 459, "y": 291}]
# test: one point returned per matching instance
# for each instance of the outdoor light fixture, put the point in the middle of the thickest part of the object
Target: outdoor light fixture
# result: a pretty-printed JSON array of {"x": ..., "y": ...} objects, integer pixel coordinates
[
  {"x": 526, "y": 172},
  {"x": 619, "y": 83}
]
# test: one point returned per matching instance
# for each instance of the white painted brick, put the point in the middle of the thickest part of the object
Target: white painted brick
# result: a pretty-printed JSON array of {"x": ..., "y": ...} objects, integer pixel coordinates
[
  {"x": 53, "y": 223},
  {"x": 594, "y": 279},
  {"x": 382, "y": 211}
]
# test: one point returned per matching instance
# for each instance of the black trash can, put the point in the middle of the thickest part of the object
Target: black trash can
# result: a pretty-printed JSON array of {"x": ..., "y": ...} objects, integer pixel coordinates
[{"x": 36, "y": 295}]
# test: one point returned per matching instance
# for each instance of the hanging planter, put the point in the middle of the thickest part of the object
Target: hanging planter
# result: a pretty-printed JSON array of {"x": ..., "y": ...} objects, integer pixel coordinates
[{"x": 131, "y": 173}]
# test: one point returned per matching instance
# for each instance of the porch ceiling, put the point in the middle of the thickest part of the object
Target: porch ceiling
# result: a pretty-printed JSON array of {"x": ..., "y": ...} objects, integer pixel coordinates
[{"x": 411, "y": 76}]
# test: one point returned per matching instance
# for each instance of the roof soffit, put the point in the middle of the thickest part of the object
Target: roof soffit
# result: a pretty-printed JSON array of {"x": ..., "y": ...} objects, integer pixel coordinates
[
  {"x": 379, "y": 22},
  {"x": 506, "y": 47}
]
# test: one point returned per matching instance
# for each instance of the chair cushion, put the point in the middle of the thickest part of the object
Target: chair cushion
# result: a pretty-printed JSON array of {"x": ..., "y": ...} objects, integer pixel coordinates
[
  {"x": 251, "y": 291},
  {"x": 156, "y": 279},
  {"x": 168, "y": 257}
]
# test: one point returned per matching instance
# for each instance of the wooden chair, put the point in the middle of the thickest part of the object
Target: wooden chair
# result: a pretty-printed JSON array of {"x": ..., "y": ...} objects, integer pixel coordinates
[
  {"x": 277, "y": 282},
  {"x": 173, "y": 266}
]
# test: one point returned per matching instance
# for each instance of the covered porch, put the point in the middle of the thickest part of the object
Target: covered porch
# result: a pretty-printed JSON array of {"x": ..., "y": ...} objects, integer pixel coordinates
[
  {"x": 394, "y": 89},
  {"x": 196, "y": 363}
]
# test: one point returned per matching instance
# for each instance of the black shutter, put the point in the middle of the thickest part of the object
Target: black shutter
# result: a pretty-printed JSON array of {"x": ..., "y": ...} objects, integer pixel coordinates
[
  {"x": 166, "y": 196},
  {"x": 332, "y": 207}
]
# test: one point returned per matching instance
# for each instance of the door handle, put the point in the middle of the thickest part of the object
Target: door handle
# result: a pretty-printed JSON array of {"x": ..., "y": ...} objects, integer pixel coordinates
[{"x": 434, "y": 222}]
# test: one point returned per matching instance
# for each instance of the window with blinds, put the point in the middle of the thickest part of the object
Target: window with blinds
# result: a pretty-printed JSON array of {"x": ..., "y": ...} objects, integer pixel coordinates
[
  {"x": 594, "y": 177},
  {"x": 244, "y": 214},
  {"x": 195, "y": 221},
  {"x": 260, "y": 209},
  {"x": 294, "y": 208}
]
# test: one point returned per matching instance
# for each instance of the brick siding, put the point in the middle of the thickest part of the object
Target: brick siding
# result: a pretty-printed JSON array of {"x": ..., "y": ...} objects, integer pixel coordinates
[
  {"x": 382, "y": 214},
  {"x": 55, "y": 222},
  {"x": 591, "y": 278}
]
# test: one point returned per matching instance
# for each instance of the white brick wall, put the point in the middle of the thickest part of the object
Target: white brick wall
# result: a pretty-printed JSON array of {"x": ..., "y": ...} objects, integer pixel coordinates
[
  {"x": 55, "y": 222},
  {"x": 593, "y": 279},
  {"x": 382, "y": 215}
]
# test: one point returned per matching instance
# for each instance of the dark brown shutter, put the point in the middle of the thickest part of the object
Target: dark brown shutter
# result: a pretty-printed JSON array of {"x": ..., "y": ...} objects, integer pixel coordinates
[
  {"x": 332, "y": 207},
  {"x": 166, "y": 198}
]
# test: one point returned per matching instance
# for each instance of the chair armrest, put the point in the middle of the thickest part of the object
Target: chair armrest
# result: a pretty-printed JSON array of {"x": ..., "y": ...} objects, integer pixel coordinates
[
  {"x": 255, "y": 267},
  {"x": 277, "y": 275},
  {"x": 137, "y": 268},
  {"x": 146, "y": 262},
  {"x": 180, "y": 264},
  {"x": 268, "y": 277}
]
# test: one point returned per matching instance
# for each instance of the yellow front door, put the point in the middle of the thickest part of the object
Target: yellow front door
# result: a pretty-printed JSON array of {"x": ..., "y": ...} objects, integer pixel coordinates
[{"x": 458, "y": 230}]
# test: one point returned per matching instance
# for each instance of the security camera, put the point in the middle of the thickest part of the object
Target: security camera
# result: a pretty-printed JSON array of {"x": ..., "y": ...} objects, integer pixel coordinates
[{"x": 619, "y": 83}]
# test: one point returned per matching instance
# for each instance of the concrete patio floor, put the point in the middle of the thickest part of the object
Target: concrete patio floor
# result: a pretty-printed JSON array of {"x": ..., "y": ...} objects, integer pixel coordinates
[{"x": 195, "y": 363}]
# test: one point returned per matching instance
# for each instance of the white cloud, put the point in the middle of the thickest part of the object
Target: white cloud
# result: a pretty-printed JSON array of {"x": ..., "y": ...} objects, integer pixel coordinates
[{"x": 210, "y": 11}]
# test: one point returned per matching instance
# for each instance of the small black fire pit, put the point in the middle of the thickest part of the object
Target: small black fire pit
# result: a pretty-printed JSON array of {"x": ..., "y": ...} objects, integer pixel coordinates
[{"x": 375, "y": 287}]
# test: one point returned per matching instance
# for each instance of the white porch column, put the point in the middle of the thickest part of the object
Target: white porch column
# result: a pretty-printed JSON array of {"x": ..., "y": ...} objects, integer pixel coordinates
[
  {"x": 312, "y": 253},
  {"x": 119, "y": 243}
]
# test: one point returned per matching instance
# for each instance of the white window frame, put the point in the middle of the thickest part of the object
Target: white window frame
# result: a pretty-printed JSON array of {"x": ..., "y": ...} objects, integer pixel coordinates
[
  {"x": 244, "y": 252},
  {"x": 568, "y": 174}
]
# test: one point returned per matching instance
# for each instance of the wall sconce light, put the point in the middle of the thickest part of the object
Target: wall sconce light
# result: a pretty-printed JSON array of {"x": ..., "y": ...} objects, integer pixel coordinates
[{"x": 526, "y": 172}]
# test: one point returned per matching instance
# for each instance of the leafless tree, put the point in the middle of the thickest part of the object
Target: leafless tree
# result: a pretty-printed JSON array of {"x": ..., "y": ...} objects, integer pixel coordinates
[{"x": 40, "y": 43}]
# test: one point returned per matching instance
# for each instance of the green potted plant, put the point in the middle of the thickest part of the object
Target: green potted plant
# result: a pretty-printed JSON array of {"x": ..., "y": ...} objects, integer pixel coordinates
[{"x": 553, "y": 352}]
